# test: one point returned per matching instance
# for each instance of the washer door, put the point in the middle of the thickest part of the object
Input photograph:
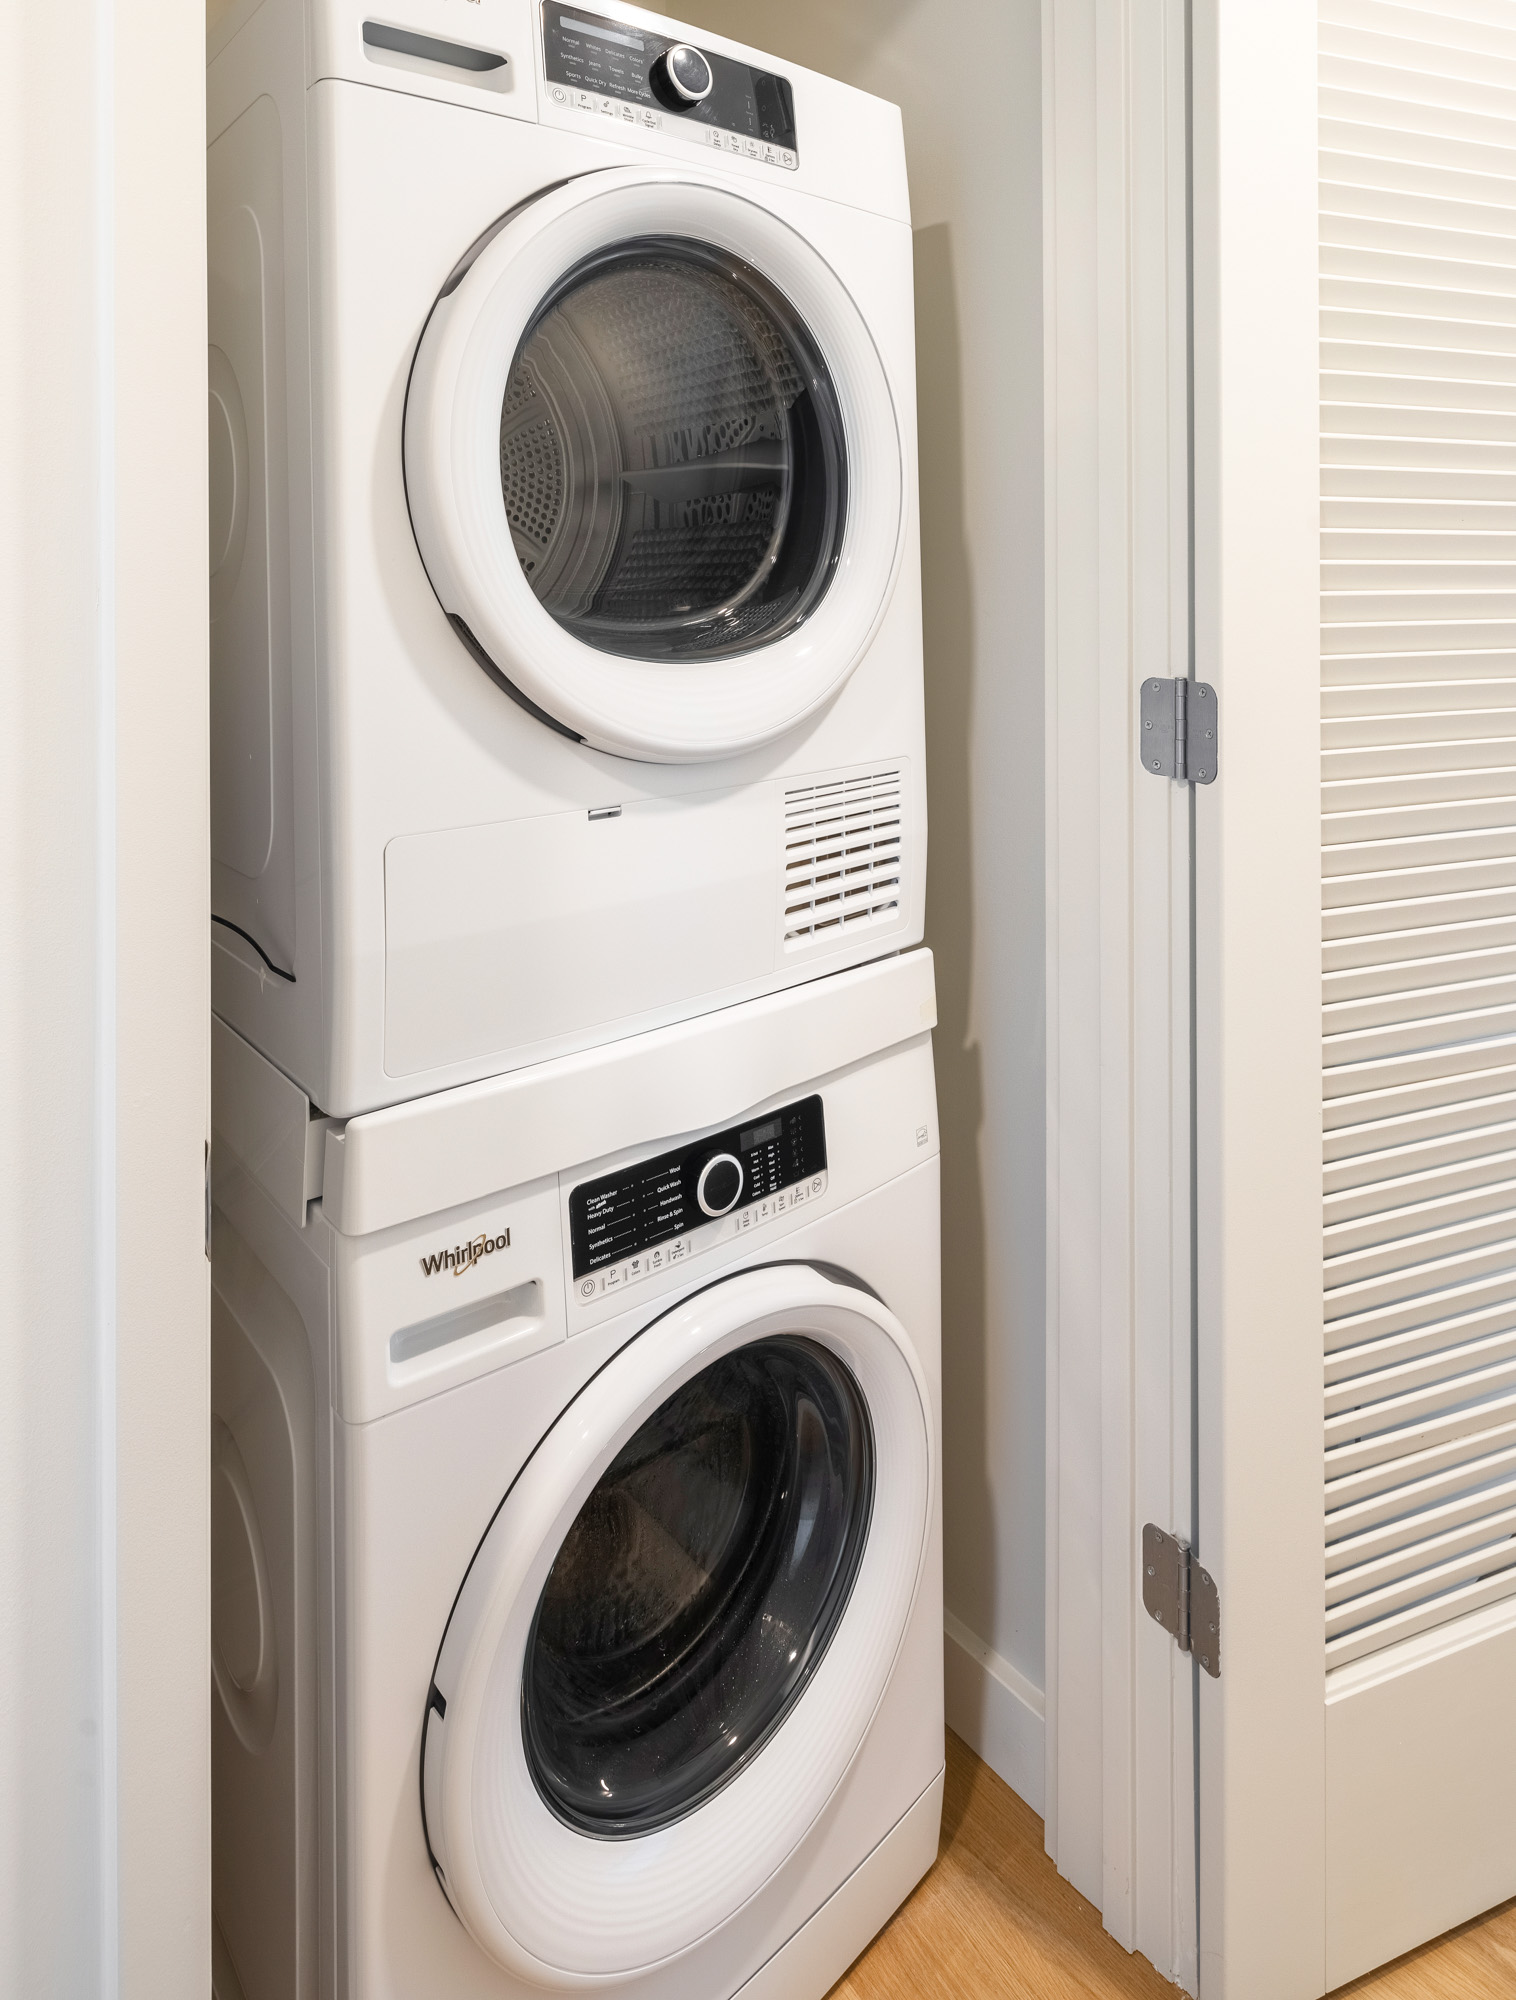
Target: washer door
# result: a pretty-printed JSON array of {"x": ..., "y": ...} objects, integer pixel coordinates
[
  {"x": 653, "y": 466},
  {"x": 677, "y": 1628}
]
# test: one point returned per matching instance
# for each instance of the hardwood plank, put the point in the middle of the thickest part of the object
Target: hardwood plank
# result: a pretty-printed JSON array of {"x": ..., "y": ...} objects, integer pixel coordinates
[{"x": 994, "y": 1920}]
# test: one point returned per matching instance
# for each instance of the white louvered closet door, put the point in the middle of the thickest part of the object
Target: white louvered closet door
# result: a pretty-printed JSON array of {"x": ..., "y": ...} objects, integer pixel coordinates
[
  {"x": 1355, "y": 420},
  {"x": 1418, "y": 470},
  {"x": 1418, "y": 392}
]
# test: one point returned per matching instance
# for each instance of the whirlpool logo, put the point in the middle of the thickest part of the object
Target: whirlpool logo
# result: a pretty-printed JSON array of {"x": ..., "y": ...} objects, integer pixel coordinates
[{"x": 464, "y": 1256}]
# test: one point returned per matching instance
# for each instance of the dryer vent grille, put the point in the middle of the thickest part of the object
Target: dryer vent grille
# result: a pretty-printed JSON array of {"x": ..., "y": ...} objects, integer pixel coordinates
[{"x": 841, "y": 855}]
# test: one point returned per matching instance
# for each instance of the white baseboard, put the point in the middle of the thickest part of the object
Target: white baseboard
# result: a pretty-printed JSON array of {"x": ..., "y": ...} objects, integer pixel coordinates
[{"x": 995, "y": 1709}]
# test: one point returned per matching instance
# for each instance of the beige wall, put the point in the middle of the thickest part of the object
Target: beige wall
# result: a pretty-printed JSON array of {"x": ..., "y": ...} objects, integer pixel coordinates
[{"x": 967, "y": 78}]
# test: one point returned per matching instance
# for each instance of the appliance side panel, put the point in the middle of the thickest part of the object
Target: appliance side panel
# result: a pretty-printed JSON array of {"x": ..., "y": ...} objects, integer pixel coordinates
[{"x": 261, "y": 61}]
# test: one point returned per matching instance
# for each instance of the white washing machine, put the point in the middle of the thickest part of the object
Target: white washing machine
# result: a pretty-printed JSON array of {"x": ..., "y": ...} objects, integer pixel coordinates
[
  {"x": 566, "y": 639},
  {"x": 577, "y": 1572}
]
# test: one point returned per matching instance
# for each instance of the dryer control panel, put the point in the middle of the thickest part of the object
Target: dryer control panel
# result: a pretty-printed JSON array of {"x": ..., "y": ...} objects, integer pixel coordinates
[
  {"x": 639, "y": 1220},
  {"x": 642, "y": 79}
]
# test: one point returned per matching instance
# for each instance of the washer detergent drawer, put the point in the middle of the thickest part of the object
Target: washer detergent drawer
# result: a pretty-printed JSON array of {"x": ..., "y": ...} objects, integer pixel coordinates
[{"x": 498, "y": 937}]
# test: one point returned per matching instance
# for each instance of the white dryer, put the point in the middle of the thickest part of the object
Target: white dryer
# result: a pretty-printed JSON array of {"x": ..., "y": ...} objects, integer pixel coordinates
[
  {"x": 566, "y": 643},
  {"x": 577, "y": 1581}
]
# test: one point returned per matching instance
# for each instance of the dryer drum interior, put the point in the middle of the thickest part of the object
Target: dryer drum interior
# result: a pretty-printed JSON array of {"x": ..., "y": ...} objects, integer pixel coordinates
[
  {"x": 672, "y": 456},
  {"x": 698, "y": 1588}
]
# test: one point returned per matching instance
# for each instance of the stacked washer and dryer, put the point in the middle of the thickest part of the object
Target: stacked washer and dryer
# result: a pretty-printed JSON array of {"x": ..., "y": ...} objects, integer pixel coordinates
[{"x": 575, "y": 1345}]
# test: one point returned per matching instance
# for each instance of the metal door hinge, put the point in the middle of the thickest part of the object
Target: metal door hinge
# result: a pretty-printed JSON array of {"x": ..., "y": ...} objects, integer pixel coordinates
[
  {"x": 1182, "y": 1597},
  {"x": 1179, "y": 730}
]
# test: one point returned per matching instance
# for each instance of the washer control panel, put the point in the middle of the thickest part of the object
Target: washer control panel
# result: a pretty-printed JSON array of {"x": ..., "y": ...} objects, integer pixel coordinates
[
  {"x": 638, "y": 1221},
  {"x": 643, "y": 80}
]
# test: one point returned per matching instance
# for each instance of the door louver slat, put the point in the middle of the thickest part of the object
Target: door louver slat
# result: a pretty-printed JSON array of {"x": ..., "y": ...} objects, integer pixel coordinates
[
  {"x": 1418, "y": 468},
  {"x": 842, "y": 855}
]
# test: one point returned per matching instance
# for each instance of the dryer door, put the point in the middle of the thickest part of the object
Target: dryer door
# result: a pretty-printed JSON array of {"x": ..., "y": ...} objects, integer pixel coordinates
[
  {"x": 676, "y": 1631},
  {"x": 653, "y": 466}
]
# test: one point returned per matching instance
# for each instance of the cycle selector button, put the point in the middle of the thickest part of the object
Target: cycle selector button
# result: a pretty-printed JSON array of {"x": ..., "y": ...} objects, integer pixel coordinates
[
  {"x": 684, "y": 74},
  {"x": 719, "y": 1187}
]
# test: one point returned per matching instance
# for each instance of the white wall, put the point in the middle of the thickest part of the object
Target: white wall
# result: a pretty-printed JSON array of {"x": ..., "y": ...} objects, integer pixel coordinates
[
  {"x": 968, "y": 80},
  {"x": 104, "y": 1293}
]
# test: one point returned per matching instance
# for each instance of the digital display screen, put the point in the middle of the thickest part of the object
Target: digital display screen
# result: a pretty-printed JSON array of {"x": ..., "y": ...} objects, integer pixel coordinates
[
  {"x": 599, "y": 31},
  {"x": 760, "y": 1135}
]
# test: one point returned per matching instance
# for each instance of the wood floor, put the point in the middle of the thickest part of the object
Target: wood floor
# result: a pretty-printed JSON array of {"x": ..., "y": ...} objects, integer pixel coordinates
[{"x": 994, "y": 1920}]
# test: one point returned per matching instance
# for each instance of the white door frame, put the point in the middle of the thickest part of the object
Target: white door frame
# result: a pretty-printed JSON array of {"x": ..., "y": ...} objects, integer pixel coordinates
[
  {"x": 1120, "y": 1813},
  {"x": 104, "y": 1004},
  {"x": 1263, "y": 1870},
  {"x": 1123, "y": 1778}
]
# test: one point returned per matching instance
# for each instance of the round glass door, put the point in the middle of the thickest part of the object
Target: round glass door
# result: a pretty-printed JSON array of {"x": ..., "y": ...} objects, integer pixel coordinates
[
  {"x": 653, "y": 462},
  {"x": 671, "y": 455},
  {"x": 679, "y": 1625},
  {"x": 698, "y": 1588}
]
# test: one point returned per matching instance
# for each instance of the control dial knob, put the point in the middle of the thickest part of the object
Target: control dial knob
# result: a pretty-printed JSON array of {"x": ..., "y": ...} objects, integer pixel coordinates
[
  {"x": 684, "y": 74},
  {"x": 720, "y": 1184}
]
